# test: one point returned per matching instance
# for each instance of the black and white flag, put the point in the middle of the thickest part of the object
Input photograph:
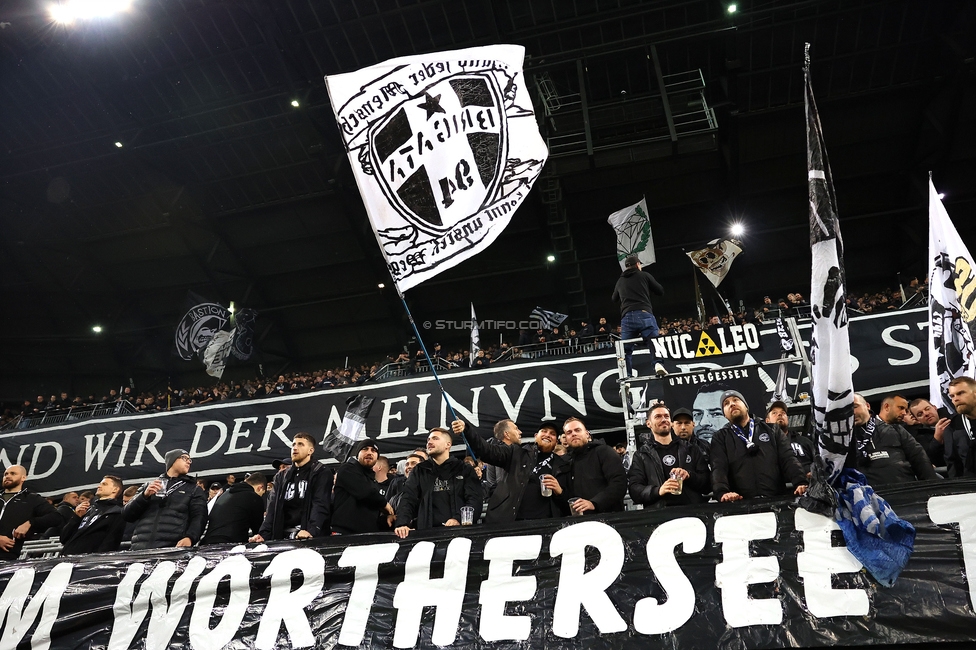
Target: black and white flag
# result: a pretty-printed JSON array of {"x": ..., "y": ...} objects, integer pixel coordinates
[
  {"x": 952, "y": 304},
  {"x": 339, "y": 442},
  {"x": 547, "y": 319},
  {"x": 444, "y": 148},
  {"x": 716, "y": 258},
  {"x": 830, "y": 346},
  {"x": 475, "y": 337},
  {"x": 633, "y": 229},
  {"x": 201, "y": 320}
]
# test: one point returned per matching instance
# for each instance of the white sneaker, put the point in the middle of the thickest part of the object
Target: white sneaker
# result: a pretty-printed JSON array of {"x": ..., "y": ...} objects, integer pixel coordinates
[{"x": 660, "y": 370}]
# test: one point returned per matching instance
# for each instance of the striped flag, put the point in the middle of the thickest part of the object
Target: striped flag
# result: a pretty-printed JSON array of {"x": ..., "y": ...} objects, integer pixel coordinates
[
  {"x": 547, "y": 319},
  {"x": 340, "y": 440},
  {"x": 952, "y": 304},
  {"x": 475, "y": 337},
  {"x": 830, "y": 346}
]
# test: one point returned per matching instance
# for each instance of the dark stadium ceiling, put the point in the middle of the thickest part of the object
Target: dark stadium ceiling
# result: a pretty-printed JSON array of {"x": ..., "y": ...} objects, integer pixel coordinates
[{"x": 223, "y": 187}]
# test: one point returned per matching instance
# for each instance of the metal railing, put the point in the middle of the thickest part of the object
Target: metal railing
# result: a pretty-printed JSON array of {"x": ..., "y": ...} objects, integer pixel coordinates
[
  {"x": 72, "y": 414},
  {"x": 397, "y": 369}
]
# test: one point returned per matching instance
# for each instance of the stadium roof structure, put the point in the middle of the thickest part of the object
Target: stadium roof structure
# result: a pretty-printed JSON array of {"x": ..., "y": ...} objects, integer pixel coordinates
[{"x": 190, "y": 145}]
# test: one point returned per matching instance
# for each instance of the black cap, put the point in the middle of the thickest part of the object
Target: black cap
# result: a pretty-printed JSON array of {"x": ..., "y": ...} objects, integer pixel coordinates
[
  {"x": 681, "y": 411},
  {"x": 216, "y": 486},
  {"x": 278, "y": 463},
  {"x": 777, "y": 404},
  {"x": 362, "y": 444}
]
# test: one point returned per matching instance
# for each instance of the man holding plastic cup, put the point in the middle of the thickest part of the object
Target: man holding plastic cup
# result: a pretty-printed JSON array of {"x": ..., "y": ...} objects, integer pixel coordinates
[
  {"x": 438, "y": 488},
  {"x": 597, "y": 481},
  {"x": 535, "y": 480}
]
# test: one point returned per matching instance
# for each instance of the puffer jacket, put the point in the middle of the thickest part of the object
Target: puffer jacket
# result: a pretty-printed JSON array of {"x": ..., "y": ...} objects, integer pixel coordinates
[{"x": 162, "y": 521}]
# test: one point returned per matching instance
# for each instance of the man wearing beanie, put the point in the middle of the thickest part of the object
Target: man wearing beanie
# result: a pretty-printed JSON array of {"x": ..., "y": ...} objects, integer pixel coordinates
[
  {"x": 751, "y": 458},
  {"x": 170, "y": 510},
  {"x": 356, "y": 500}
]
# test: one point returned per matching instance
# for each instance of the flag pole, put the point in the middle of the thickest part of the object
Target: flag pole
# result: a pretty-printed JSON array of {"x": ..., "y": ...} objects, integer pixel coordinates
[{"x": 433, "y": 369}]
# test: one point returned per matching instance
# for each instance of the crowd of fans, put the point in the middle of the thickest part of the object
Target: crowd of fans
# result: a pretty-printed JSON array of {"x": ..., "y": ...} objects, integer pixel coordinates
[
  {"x": 559, "y": 474},
  {"x": 568, "y": 339}
]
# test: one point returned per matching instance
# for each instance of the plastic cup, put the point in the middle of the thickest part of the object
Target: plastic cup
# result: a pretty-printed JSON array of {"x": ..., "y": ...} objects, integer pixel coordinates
[
  {"x": 571, "y": 501},
  {"x": 546, "y": 492},
  {"x": 681, "y": 481},
  {"x": 467, "y": 516}
]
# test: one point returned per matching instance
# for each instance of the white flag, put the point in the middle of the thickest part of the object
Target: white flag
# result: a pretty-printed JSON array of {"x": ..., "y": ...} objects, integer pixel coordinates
[
  {"x": 715, "y": 259},
  {"x": 830, "y": 345},
  {"x": 475, "y": 337},
  {"x": 444, "y": 148},
  {"x": 952, "y": 304},
  {"x": 633, "y": 228},
  {"x": 216, "y": 353},
  {"x": 547, "y": 319}
]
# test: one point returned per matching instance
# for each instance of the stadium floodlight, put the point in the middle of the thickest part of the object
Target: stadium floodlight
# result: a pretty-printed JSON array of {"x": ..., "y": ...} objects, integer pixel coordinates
[
  {"x": 941, "y": 195},
  {"x": 118, "y": 144},
  {"x": 381, "y": 286},
  {"x": 732, "y": 9},
  {"x": 68, "y": 11},
  {"x": 737, "y": 230},
  {"x": 550, "y": 258},
  {"x": 97, "y": 329},
  {"x": 294, "y": 103}
]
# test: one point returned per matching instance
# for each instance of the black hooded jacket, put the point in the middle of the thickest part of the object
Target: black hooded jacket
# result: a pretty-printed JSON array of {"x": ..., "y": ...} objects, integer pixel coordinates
[
  {"x": 889, "y": 455},
  {"x": 634, "y": 289},
  {"x": 519, "y": 463},
  {"x": 169, "y": 515},
  {"x": 23, "y": 507},
  {"x": 416, "y": 500},
  {"x": 317, "y": 513},
  {"x": 236, "y": 512},
  {"x": 99, "y": 531},
  {"x": 357, "y": 500},
  {"x": 760, "y": 472},
  {"x": 597, "y": 475}
]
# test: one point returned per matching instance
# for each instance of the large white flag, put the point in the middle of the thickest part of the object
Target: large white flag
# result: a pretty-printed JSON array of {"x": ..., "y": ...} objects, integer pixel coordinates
[
  {"x": 633, "y": 228},
  {"x": 952, "y": 304},
  {"x": 715, "y": 259},
  {"x": 444, "y": 148},
  {"x": 475, "y": 337},
  {"x": 830, "y": 345}
]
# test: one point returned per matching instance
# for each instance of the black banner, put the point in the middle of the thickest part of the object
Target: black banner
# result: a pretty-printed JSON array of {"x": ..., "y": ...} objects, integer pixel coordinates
[
  {"x": 888, "y": 350},
  {"x": 754, "y": 574}
]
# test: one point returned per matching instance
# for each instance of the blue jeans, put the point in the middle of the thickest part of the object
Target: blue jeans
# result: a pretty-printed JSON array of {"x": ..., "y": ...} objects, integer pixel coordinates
[{"x": 638, "y": 324}]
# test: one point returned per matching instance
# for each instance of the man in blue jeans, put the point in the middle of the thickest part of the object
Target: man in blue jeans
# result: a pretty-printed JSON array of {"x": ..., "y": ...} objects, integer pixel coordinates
[{"x": 633, "y": 291}]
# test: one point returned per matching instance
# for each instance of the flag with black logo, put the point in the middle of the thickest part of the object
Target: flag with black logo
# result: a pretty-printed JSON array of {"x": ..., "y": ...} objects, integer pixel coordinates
[
  {"x": 444, "y": 148},
  {"x": 201, "y": 320},
  {"x": 952, "y": 304},
  {"x": 830, "y": 347},
  {"x": 715, "y": 259},
  {"x": 547, "y": 319},
  {"x": 340, "y": 440},
  {"x": 633, "y": 229}
]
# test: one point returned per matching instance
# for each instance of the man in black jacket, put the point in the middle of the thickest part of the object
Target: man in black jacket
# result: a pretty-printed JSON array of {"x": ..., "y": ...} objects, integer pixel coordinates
[
  {"x": 21, "y": 511},
  {"x": 958, "y": 432},
  {"x": 170, "y": 510},
  {"x": 751, "y": 458},
  {"x": 883, "y": 452},
  {"x": 597, "y": 481},
  {"x": 683, "y": 426},
  {"x": 803, "y": 447},
  {"x": 633, "y": 291},
  {"x": 527, "y": 469},
  {"x": 438, "y": 488},
  {"x": 927, "y": 418},
  {"x": 238, "y": 511},
  {"x": 505, "y": 432},
  {"x": 300, "y": 506},
  {"x": 96, "y": 526},
  {"x": 662, "y": 458},
  {"x": 357, "y": 500}
]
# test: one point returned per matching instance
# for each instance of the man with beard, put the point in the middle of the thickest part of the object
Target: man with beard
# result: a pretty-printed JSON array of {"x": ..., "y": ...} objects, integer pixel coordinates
[
  {"x": 893, "y": 409},
  {"x": 707, "y": 410},
  {"x": 438, "y": 488},
  {"x": 927, "y": 418},
  {"x": 357, "y": 500},
  {"x": 21, "y": 512},
  {"x": 300, "y": 503},
  {"x": 803, "y": 447},
  {"x": 958, "y": 432},
  {"x": 528, "y": 469},
  {"x": 505, "y": 433},
  {"x": 751, "y": 458},
  {"x": 667, "y": 471},
  {"x": 96, "y": 526},
  {"x": 597, "y": 481},
  {"x": 170, "y": 510},
  {"x": 633, "y": 291},
  {"x": 885, "y": 453},
  {"x": 683, "y": 426}
]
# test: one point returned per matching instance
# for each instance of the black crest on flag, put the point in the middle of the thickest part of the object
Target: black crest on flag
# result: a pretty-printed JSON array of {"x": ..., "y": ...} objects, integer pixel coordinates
[
  {"x": 448, "y": 141},
  {"x": 198, "y": 326}
]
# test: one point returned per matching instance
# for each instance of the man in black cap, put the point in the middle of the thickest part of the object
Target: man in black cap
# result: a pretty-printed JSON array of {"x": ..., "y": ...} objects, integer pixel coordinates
[
  {"x": 751, "y": 458},
  {"x": 300, "y": 506},
  {"x": 683, "y": 426},
  {"x": 803, "y": 447},
  {"x": 236, "y": 511},
  {"x": 96, "y": 526},
  {"x": 633, "y": 291},
  {"x": 667, "y": 471},
  {"x": 170, "y": 510},
  {"x": 357, "y": 499}
]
